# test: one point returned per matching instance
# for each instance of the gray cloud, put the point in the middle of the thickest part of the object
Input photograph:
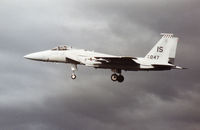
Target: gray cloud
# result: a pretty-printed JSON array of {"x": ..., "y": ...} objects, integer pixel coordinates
[{"x": 36, "y": 95}]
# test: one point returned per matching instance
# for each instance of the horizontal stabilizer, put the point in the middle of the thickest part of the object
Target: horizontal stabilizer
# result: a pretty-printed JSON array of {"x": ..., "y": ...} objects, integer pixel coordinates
[
  {"x": 170, "y": 65},
  {"x": 178, "y": 67}
]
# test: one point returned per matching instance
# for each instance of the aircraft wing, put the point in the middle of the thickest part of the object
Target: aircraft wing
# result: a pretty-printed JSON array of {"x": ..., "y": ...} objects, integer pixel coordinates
[{"x": 117, "y": 60}]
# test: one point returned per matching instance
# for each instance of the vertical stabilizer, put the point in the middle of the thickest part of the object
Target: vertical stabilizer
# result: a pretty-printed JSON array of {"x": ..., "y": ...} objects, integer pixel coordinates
[{"x": 164, "y": 51}]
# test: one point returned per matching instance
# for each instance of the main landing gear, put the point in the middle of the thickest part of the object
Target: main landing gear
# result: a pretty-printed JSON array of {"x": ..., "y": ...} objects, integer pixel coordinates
[{"x": 117, "y": 77}]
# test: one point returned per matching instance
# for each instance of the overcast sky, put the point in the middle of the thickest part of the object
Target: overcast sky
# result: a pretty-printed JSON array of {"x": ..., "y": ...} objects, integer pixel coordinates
[{"x": 42, "y": 96}]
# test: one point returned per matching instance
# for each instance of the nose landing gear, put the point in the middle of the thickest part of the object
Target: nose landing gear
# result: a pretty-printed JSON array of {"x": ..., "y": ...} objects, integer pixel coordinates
[{"x": 73, "y": 68}]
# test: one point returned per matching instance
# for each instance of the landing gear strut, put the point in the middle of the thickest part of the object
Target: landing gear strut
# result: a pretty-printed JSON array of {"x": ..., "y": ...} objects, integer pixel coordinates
[
  {"x": 73, "y": 68},
  {"x": 115, "y": 77}
]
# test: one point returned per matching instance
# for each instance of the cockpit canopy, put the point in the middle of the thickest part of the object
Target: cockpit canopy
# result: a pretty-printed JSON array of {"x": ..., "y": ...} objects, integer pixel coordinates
[{"x": 61, "y": 48}]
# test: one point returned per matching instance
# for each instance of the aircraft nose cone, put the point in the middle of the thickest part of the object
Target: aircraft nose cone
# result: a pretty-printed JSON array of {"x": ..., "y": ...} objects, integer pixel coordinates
[
  {"x": 28, "y": 56},
  {"x": 41, "y": 56}
]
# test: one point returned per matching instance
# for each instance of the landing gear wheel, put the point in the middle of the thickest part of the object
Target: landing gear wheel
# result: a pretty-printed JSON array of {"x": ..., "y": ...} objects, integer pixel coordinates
[
  {"x": 73, "y": 76},
  {"x": 120, "y": 78},
  {"x": 114, "y": 77}
]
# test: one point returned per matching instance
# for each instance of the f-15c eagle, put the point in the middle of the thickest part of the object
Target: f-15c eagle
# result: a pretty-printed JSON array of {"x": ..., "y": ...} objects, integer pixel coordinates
[{"x": 161, "y": 57}]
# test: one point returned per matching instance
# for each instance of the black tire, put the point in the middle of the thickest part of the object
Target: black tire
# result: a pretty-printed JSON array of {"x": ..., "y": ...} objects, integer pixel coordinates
[
  {"x": 114, "y": 77},
  {"x": 73, "y": 76},
  {"x": 120, "y": 78}
]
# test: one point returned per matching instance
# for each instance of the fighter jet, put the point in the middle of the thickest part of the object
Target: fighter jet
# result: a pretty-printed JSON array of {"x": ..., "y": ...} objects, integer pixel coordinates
[{"x": 161, "y": 57}]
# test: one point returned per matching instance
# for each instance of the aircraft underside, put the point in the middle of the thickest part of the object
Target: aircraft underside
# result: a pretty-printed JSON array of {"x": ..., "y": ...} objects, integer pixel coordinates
[{"x": 117, "y": 70}]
